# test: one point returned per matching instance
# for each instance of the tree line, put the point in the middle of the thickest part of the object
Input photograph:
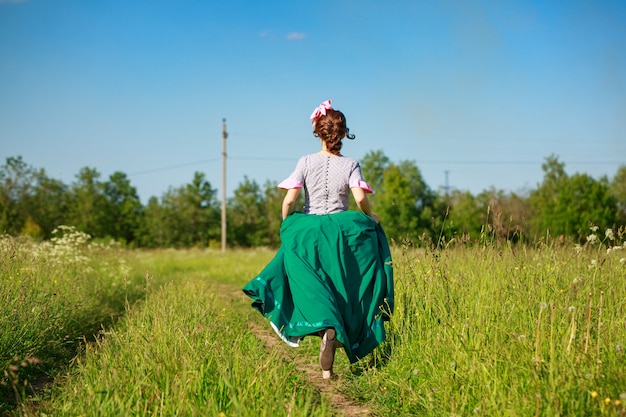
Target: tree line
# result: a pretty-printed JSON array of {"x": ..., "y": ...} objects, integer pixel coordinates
[{"x": 562, "y": 206}]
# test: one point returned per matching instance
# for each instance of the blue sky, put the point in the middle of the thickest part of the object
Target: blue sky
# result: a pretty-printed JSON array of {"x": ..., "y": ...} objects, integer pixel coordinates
[{"x": 483, "y": 90}]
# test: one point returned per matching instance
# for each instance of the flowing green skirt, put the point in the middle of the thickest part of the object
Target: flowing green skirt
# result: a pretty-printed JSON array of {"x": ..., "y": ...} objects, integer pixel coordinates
[{"x": 331, "y": 271}]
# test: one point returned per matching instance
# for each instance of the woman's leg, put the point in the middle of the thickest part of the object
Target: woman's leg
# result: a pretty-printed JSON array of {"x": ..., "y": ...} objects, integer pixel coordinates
[{"x": 327, "y": 352}]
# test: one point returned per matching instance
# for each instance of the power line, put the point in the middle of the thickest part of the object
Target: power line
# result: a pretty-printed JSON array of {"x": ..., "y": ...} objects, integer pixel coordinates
[
  {"x": 254, "y": 158},
  {"x": 461, "y": 162},
  {"x": 173, "y": 167},
  {"x": 514, "y": 162},
  {"x": 425, "y": 162},
  {"x": 188, "y": 164}
]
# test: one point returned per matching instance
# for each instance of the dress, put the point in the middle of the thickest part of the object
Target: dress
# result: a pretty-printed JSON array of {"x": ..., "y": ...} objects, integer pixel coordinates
[{"x": 333, "y": 268}]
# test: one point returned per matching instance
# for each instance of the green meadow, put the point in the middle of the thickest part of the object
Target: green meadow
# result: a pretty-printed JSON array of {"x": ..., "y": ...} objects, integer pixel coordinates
[{"x": 491, "y": 329}]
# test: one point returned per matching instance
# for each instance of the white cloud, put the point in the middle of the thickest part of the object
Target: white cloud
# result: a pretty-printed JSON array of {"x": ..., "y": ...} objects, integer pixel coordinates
[{"x": 296, "y": 36}]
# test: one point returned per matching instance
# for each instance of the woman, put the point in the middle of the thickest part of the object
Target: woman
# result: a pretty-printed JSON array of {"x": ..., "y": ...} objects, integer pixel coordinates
[{"x": 332, "y": 275}]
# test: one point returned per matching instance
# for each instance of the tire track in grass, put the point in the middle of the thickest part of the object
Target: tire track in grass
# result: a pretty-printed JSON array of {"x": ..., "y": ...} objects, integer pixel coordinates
[{"x": 328, "y": 388}]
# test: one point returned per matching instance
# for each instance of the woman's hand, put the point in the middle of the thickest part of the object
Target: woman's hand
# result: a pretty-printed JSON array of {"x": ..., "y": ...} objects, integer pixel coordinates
[{"x": 375, "y": 217}]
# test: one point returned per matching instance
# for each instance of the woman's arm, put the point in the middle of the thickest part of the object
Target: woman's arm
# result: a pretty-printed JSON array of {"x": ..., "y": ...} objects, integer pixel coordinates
[
  {"x": 289, "y": 202},
  {"x": 362, "y": 202}
]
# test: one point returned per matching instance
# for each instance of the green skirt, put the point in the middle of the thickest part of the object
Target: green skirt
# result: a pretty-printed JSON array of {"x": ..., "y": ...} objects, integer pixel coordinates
[{"x": 331, "y": 271}]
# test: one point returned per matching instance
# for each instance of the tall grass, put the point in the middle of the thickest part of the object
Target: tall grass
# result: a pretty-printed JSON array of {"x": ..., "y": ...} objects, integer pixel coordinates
[
  {"x": 183, "y": 347},
  {"x": 505, "y": 331},
  {"x": 185, "y": 353},
  {"x": 484, "y": 330},
  {"x": 54, "y": 295}
]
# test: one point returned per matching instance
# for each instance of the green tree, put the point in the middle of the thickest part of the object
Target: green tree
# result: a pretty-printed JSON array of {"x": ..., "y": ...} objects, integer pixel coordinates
[
  {"x": 396, "y": 205},
  {"x": 247, "y": 226},
  {"x": 373, "y": 166},
  {"x": 155, "y": 229},
  {"x": 402, "y": 199},
  {"x": 88, "y": 207},
  {"x": 569, "y": 205},
  {"x": 586, "y": 201},
  {"x": 16, "y": 183},
  {"x": 186, "y": 216},
  {"x": 464, "y": 216},
  {"x": 544, "y": 199},
  {"x": 125, "y": 208},
  {"x": 204, "y": 211},
  {"x": 49, "y": 203},
  {"x": 179, "y": 218},
  {"x": 618, "y": 191}
]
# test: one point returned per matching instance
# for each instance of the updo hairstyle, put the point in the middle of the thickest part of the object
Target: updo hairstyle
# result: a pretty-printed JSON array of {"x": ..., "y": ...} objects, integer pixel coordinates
[{"x": 331, "y": 128}]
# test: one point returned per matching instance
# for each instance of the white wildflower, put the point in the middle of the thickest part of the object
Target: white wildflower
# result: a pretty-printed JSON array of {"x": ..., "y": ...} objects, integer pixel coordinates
[
  {"x": 592, "y": 238},
  {"x": 609, "y": 234}
]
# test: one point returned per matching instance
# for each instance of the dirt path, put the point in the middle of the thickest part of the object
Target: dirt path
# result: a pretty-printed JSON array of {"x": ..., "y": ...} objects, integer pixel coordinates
[
  {"x": 342, "y": 403},
  {"x": 328, "y": 388}
]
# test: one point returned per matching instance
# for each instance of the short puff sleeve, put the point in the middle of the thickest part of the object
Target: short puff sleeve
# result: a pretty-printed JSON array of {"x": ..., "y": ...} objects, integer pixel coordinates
[
  {"x": 296, "y": 179},
  {"x": 356, "y": 180}
]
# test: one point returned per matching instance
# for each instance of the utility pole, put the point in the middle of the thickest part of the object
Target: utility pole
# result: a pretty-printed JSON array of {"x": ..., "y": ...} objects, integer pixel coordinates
[
  {"x": 447, "y": 186},
  {"x": 224, "y": 136}
]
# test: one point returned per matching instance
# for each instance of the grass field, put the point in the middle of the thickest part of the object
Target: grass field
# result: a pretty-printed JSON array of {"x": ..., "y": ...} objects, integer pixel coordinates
[{"x": 490, "y": 330}]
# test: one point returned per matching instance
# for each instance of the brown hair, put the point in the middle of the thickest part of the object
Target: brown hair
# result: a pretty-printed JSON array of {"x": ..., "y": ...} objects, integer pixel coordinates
[{"x": 331, "y": 128}]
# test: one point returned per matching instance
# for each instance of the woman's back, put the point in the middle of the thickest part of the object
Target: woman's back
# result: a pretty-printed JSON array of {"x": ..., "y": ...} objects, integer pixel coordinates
[{"x": 326, "y": 180}]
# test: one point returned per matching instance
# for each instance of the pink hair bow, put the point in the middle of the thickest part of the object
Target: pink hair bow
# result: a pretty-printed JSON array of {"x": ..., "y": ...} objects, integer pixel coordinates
[{"x": 321, "y": 110}]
